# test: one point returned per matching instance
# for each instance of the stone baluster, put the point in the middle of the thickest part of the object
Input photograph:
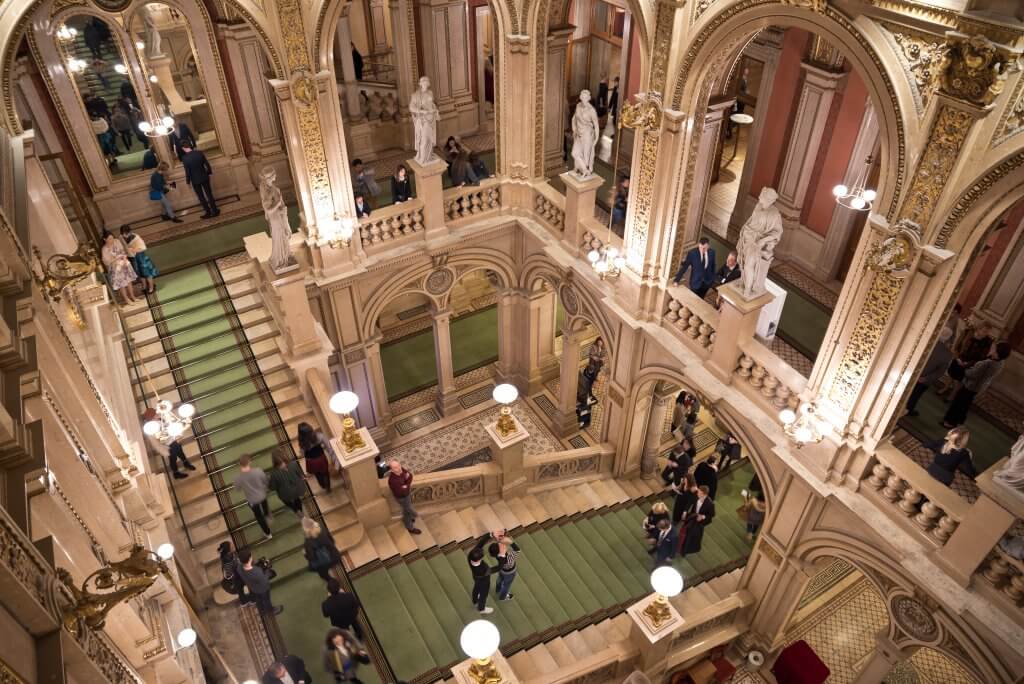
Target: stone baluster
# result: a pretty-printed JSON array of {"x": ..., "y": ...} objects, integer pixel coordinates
[
  {"x": 757, "y": 376},
  {"x": 894, "y": 487},
  {"x": 1015, "y": 587},
  {"x": 928, "y": 517},
  {"x": 996, "y": 570},
  {"x": 879, "y": 474},
  {"x": 910, "y": 499},
  {"x": 945, "y": 529},
  {"x": 744, "y": 368}
]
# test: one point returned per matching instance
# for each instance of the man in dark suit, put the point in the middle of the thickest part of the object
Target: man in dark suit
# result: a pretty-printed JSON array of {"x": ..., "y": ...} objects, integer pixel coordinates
[
  {"x": 706, "y": 474},
  {"x": 696, "y": 519},
  {"x": 701, "y": 263},
  {"x": 665, "y": 544},
  {"x": 181, "y": 137},
  {"x": 341, "y": 608},
  {"x": 729, "y": 272},
  {"x": 197, "y": 174},
  {"x": 290, "y": 666}
]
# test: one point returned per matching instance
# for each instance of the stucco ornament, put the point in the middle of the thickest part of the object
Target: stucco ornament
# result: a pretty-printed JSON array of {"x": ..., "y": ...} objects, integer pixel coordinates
[
  {"x": 914, "y": 618},
  {"x": 973, "y": 68},
  {"x": 276, "y": 213},
  {"x": 570, "y": 302},
  {"x": 1012, "y": 474},
  {"x": 439, "y": 281},
  {"x": 644, "y": 114},
  {"x": 424, "y": 120},
  {"x": 895, "y": 254},
  {"x": 585, "y": 131},
  {"x": 303, "y": 88},
  {"x": 756, "y": 245}
]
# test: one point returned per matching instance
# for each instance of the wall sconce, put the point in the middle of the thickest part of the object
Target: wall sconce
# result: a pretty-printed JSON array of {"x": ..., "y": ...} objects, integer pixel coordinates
[
  {"x": 479, "y": 640},
  {"x": 505, "y": 394},
  {"x": 806, "y": 427},
  {"x": 666, "y": 582},
  {"x": 345, "y": 229},
  {"x": 344, "y": 403}
]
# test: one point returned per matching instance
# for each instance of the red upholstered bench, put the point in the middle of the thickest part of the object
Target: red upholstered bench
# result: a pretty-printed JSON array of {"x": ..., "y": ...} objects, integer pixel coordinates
[{"x": 799, "y": 664}]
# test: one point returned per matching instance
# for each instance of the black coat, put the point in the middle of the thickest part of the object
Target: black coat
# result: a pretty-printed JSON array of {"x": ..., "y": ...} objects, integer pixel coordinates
[
  {"x": 296, "y": 670},
  {"x": 695, "y": 528},
  {"x": 197, "y": 168},
  {"x": 181, "y": 136},
  {"x": 705, "y": 475},
  {"x": 401, "y": 190},
  {"x": 341, "y": 609},
  {"x": 944, "y": 466}
]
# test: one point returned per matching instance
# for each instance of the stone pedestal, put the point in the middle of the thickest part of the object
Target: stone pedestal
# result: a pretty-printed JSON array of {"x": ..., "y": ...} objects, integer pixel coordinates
[
  {"x": 430, "y": 189},
  {"x": 736, "y": 325},
  {"x": 580, "y": 195},
  {"x": 508, "y": 453},
  {"x": 508, "y": 676},
  {"x": 363, "y": 486},
  {"x": 652, "y": 644}
]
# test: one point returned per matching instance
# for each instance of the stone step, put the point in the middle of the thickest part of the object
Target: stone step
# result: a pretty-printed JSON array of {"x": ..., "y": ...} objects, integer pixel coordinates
[
  {"x": 403, "y": 541},
  {"x": 473, "y": 524},
  {"x": 594, "y": 638},
  {"x": 425, "y": 539},
  {"x": 487, "y": 516},
  {"x": 382, "y": 543},
  {"x": 615, "y": 491},
  {"x": 510, "y": 517},
  {"x": 560, "y": 651},
  {"x": 588, "y": 496},
  {"x": 542, "y": 659},
  {"x": 577, "y": 645},
  {"x": 535, "y": 508}
]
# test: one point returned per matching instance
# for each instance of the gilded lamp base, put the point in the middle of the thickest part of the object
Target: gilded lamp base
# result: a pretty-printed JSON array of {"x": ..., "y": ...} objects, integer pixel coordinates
[
  {"x": 506, "y": 426},
  {"x": 350, "y": 437},
  {"x": 656, "y": 615},
  {"x": 484, "y": 672}
]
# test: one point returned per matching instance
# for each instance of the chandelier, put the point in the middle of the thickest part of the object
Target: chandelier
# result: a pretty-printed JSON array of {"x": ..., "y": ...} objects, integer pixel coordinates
[
  {"x": 165, "y": 423},
  {"x": 805, "y": 427},
  {"x": 66, "y": 34},
  {"x": 607, "y": 261},
  {"x": 342, "y": 235},
  {"x": 859, "y": 197},
  {"x": 158, "y": 127}
]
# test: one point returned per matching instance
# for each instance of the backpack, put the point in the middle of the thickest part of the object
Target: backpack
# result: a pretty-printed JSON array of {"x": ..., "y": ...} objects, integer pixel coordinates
[
  {"x": 231, "y": 582},
  {"x": 321, "y": 558}
]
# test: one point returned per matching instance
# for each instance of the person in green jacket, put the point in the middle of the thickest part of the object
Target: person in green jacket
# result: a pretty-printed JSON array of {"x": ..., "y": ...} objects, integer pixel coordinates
[{"x": 287, "y": 481}]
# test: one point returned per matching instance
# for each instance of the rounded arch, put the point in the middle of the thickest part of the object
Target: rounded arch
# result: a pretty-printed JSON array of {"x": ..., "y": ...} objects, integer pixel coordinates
[
  {"x": 411, "y": 279},
  {"x": 643, "y": 385},
  {"x": 721, "y": 38},
  {"x": 987, "y": 198}
]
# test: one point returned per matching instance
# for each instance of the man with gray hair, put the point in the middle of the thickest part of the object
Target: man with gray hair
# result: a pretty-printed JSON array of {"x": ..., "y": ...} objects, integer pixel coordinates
[
  {"x": 934, "y": 368},
  {"x": 400, "y": 483}
]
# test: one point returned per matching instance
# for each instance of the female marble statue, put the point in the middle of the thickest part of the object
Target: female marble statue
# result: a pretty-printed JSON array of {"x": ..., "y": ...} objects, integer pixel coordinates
[
  {"x": 153, "y": 40},
  {"x": 277, "y": 218},
  {"x": 756, "y": 246},
  {"x": 585, "y": 131},
  {"x": 424, "y": 119},
  {"x": 1012, "y": 474}
]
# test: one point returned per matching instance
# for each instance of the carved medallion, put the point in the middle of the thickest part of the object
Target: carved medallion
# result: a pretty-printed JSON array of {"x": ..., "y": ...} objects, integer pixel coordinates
[
  {"x": 895, "y": 254},
  {"x": 570, "y": 302},
  {"x": 974, "y": 68},
  {"x": 303, "y": 88},
  {"x": 439, "y": 281},
  {"x": 914, "y": 619}
]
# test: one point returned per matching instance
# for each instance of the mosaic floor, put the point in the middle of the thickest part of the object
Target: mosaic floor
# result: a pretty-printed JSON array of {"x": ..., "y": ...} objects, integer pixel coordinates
[
  {"x": 427, "y": 396},
  {"x": 447, "y": 444}
]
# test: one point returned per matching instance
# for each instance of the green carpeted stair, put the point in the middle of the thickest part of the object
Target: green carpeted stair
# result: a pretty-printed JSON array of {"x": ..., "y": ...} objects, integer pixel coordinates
[{"x": 574, "y": 570}]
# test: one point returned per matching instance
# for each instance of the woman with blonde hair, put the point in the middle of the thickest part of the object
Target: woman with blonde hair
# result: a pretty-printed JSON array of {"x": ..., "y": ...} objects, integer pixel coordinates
[
  {"x": 659, "y": 511},
  {"x": 951, "y": 455},
  {"x": 319, "y": 548}
]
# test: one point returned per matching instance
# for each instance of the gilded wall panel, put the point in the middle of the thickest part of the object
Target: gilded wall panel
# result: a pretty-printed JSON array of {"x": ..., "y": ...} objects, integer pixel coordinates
[{"x": 940, "y": 155}]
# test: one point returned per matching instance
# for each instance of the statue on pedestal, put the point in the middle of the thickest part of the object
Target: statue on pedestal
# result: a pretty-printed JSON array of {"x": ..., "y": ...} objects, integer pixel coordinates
[
  {"x": 585, "y": 131},
  {"x": 153, "y": 40},
  {"x": 276, "y": 213},
  {"x": 1012, "y": 474},
  {"x": 756, "y": 245},
  {"x": 424, "y": 120}
]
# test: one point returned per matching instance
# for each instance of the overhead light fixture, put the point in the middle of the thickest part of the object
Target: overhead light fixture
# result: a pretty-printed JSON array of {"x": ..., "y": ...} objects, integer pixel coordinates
[
  {"x": 480, "y": 640},
  {"x": 76, "y": 66},
  {"x": 859, "y": 197},
  {"x": 66, "y": 34},
  {"x": 158, "y": 127},
  {"x": 806, "y": 426},
  {"x": 506, "y": 394},
  {"x": 139, "y": 45},
  {"x": 607, "y": 260},
  {"x": 187, "y": 637},
  {"x": 165, "y": 423},
  {"x": 165, "y": 551},
  {"x": 152, "y": 78},
  {"x": 666, "y": 582},
  {"x": 344, "y": 403},
  {"x": 344, "y": 229},
  {"x": 121, "y": 69}
]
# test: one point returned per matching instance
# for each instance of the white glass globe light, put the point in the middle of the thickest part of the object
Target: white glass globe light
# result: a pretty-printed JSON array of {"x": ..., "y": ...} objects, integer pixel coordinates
[
  {"x": 870, "y": 195},
  {"x": 152, "y": 78},
  {"x": 139, "y": 45},
  {"x": 480, "y": 639},
  {"x": 858, "y": 203},
  {"x": 505, "y": 393},
  {"x": 667, "y": 581},
  {"x": 164, "y": 406},
  {"x": 619, "y": 262},
  {"x": 175, "y": 429},
  {"x": 162, "y": 130},
  {"x": 151, "y": 427},
  {"x": 806, "y": 408},
  {"x": 593, "y": 255},
  {"x": 787, "y": 416},
  {"x": 840, "y": 190},
  {"x": 346, "y": 227},
  {"x": 250, "y": 681},
  {"x": 165, "y": 551},
  {"x": 186, "y": 410},
  {"x": 803, "y": 434},
  {"x": 744, "y": 493},
  {"x": 145, "y": 126},
  {"x": 167, "y": 121},
  {"x": 121, "y": 68},
  {"x": 601, "y": 267},
  {"x": 186, "y": 637},
  {"x": 612, "y": 252},
  {"x": 344, "y": 402}
]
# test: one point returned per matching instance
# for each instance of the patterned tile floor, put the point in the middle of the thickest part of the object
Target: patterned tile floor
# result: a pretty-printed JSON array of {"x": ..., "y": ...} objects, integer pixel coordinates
[
  {"x": 428, "y": 395},
  {"x": 444, "y": 445}
]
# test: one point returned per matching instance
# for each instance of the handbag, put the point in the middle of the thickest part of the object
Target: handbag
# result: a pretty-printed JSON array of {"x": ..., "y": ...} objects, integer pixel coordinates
[{"x": 156, "y": 194}]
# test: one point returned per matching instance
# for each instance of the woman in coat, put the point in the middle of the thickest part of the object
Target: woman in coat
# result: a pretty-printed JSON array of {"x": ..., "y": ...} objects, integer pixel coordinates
[
  {"x": 685, "y": 490},
  {"x": 342, "y": 654},
  {"x": 116, "y": 261},
  {"x": 316, "y": 450},
  {"x": 143, "y": 265},
  {"x": 659, "y": 511},
  {"x": 287, "y": 481},
  {"x": 952, "y": 455},
  {"x": 697, "y": 517},
  {"x": 318, "y": 548},
  {"x": 401, "y": 186}
]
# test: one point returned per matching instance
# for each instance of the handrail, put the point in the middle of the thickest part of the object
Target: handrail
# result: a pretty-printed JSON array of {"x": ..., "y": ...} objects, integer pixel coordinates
[{"x": 536, "y": 460}]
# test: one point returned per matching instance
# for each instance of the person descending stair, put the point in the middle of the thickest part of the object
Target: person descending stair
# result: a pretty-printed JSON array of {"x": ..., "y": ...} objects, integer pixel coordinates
[
  {"x": 481, "y": 576},
  {"x": 253, "y": 484},
  {"x": 504, "y": 550},
  {"x": 699, "y": 516}
]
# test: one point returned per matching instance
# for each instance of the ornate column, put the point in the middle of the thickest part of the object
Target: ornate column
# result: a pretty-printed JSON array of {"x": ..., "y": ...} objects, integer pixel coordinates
[
  {"x": 343, "y": 54},
  {"x": 843, "y": 219},
  {"x": 371, "y": 373},
  {"x": 508, "y": 360},
  {"x": 822, "y": 79},
  {"x": 446, "y": 47},
  {"x": 904, "y": 275},
  {"x": 661, "y": 405},
  {"x": 447, "y": 401},
  {"x": 514, "y": 111},
  {"x": 565, "y": 419},
  {"x": 555, "y": 95},
  {"x": 248, "y": 63},
  {"x": 887, "y": 654},
  {"x": 403, "y": 36}
]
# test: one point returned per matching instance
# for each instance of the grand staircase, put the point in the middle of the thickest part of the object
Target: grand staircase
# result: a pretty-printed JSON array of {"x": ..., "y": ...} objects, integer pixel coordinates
[
  {"x": 208, "y": 338},
  {"x": 583, "y": 562}
]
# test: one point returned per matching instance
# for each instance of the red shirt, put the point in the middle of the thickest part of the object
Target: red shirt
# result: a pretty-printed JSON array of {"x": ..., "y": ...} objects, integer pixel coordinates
[{"x": 400, "y": 484}]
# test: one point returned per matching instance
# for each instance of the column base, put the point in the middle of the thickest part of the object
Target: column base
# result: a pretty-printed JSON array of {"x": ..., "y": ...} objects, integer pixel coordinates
[{"x": 447, "y": 403}]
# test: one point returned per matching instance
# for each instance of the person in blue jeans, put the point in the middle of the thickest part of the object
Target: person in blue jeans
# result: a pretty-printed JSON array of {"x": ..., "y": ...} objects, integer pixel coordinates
[
  {"x": 504, "y": 550},
  {"x": 481, "y": 572}
]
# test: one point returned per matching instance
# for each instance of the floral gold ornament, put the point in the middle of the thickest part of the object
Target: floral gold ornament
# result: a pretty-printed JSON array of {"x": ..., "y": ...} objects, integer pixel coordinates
[
  {"x": 344, "y": 403},
  {"x": 62, "y": 271},
  {"x": 505, "y": 394},
  {"x": 110, "y": 585},
  {"x": 666, "y": 582},
  {"x": 973, "y": 68},
  {"x": 643, "y": 115},
  {"x": 895, "y": 254}
]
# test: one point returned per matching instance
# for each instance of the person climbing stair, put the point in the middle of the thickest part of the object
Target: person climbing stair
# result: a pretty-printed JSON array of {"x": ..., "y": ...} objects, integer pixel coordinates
[{"x": 481, "y": 576}]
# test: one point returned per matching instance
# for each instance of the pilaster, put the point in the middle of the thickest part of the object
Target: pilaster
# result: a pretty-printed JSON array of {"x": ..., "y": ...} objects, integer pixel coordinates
[
  {"x": 1002, "y": 303},
  {"x": 444, "y": 30},
  {"x": 565, "y": 420},
  {"x": 661, "y": 403},
  {"x": 555, "y": 95},
  {"x": 403, "y": 37},
  {"x": 447, "y": 401},
  {"x": 886, "y": 655},
  {"x": 258, "y": 108},
  {"x": 343, "y": 54}
]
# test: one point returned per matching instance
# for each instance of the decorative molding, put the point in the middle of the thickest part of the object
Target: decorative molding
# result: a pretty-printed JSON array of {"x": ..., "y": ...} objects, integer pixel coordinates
[
  {"x": 974, "y": 69},
  {"x": 770, "y": 552},
  {"x": 920, "y": 54},
  {"x": 974, "y": 193},
  {"x": 914, "y": 618},
  {"x": 569, "y": 468},
  {"x": 940, "y": 155},
  {"x": 439, "y": 281},
  {"x": 448, "y": 489},
  {"x": 1012, "y": 121}
]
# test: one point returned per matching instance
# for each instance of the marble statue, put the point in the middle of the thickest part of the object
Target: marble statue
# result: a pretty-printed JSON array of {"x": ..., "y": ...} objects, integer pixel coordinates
[
  {"x": 153, "y": 40},
  {"x": 281, "y": 258},
  {"x": 424, "y": 119},
  {"x": 1012, "y": 474},
  {"x": 585, "y": 131},
  {"x": 756, "y": 246}
]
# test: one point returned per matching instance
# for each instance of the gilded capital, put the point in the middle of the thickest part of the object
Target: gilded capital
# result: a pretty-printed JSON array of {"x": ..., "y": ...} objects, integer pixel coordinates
[{"x": 973, "y": 68}]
